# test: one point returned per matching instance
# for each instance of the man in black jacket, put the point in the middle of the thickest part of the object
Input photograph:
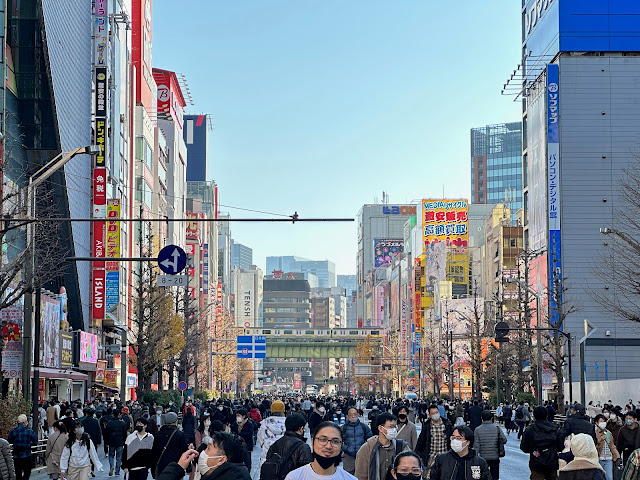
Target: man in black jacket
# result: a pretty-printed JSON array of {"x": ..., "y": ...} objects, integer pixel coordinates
[
  {"x": 460, "y": 458},
  {"x": 104, "y": 421},
  {"x": 442, "y": 429},
  {"x": 170, "y": 437},
  {"x": 539, "y": 440},
  {"x": 92, "y": 427},
  {"x": 577, "y": 422},
  {"x": 293, "y": 441},
  {"x": 115, "y": 436},
  {"x": 475, "y": 415}
]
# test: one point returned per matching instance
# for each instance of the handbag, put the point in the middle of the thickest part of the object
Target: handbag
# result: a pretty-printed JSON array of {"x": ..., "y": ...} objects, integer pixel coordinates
[
  {"x": 164, "y": 450},
  {"x": 501, "y": 451}
]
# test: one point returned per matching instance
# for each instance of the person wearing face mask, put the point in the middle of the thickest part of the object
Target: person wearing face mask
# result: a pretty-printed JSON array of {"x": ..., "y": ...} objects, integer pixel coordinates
[
  {"x": 189, "y": 426},
  {"x": 243, "y": 427},
  {"x": 338, "y": 417},
  {"x": 137, "y": 454},
  {"x": 629, "y": 436},
  {"x": 202, "y": 432},
  {"x": 78, "y": 455},
  {"x": 606, "y": 447},
  {"x": 407, "y": 430},
  {"x": 407, "y": 466},
  {"x": 434, "y": 438},
  {"x": 355, "y": 433},
  {"x": 375, "y": 457},
  {"x": 318, "y": 416},
  {"x": 614, "y": 423},
  {"x": 222, "y": 459},
  {"x": 92, "y": 427},
  {"x": 461, "y": 458},
  {"x": 219, "y": 414},
  {"x": 326, "y": 445}
]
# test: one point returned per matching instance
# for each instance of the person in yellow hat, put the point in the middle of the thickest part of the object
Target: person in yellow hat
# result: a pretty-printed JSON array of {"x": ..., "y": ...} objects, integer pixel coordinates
[{"x": 271, "y": 429}]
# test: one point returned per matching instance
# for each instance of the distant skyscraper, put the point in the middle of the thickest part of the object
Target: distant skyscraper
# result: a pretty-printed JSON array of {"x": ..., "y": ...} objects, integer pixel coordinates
[
  {"x": 325, "y": 270},
  {"x": 196, "y": 137},
  {"x": 496, "y": 165},
  {"x": 350, "y": 285},
  {"x": 241, "y": 256}
]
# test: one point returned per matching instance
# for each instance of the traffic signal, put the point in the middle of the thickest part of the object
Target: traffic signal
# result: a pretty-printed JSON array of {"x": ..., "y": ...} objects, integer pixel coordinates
[{"x": 502, "y": 332}]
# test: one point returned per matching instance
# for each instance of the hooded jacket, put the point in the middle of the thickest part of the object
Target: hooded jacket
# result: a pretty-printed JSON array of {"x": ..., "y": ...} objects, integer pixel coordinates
[
  {"x": 585, "y": 465},
  {"x": 540, "y": 441},
  {"x": 448, "y": 464},
  {"x": 271, "y": 429}
]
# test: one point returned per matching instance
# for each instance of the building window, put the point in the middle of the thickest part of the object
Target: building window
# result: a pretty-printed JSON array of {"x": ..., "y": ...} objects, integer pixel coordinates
[
  {"x": 480, "y": 175},
  {"x": 480, "y": 185}
]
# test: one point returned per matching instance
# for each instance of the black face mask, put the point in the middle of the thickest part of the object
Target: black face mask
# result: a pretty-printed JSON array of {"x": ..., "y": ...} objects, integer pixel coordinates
[
  {"x": 326, "y": 462},
  {"x": 139, "y": 428},
  {"x": 402, "y": 417},
  {"x": 408, "y": 476}
]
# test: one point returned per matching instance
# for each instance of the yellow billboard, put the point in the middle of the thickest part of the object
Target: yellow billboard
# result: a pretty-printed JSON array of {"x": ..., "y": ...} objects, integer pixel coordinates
[{"x": 445, "y": 221}]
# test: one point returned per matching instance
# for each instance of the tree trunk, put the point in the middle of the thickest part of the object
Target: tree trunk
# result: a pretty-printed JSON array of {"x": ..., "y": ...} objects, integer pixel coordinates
[{"x": 559, "y": 373}]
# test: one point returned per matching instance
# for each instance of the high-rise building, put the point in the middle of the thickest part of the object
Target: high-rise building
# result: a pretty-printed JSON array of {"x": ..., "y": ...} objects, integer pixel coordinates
[
  {"x": 196, "y": 137},
  {"x": 350, "y": 285},
  {"x": 247, "y": 297},
  {"x": 581, "y": 125},
  {"x": 325, "y": 270},
  {"x": 286, "y": 302},
  {"x": 241, "y": 256},
  {"x": 380, "y": 226},
  {"x": 496, "y": 165}
]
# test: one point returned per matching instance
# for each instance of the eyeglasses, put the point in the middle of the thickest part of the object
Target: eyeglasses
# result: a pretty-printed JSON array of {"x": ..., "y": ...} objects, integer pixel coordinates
[
  {"x": 458, "y": 438},
  {"x": 414, "y": 470},
  {"x": 335, "y": 442}
]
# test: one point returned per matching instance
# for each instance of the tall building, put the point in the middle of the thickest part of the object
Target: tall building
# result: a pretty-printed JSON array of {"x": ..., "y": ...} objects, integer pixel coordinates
[
  {"x": 241, "y": 256},
  {"x": 582, "y": 125},
  {"x": 325, "y": 270},
  {"x": 496, "y": 164},
  {"x": 350, "y": 285},
  {"x": 380, "y": 239},
  {"x": 348, "y": 282},
  {"x": 339, "y": 301},
  {"x": 247, "y": 297},
  {"x": 196, "y": 137}
]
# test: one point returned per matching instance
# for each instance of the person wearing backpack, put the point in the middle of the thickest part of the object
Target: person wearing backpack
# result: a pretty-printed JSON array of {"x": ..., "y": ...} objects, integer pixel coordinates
[
  {"x": 375, "y": 457},
  {"x": 522, "y": 417},
  {"x": 540, "y": 440},
  {"x": 506, "y": 418},
  {"x": 289, "y": 452},
  {"x": 355, "y": 433},
  {"x": 489, "y": 443}
]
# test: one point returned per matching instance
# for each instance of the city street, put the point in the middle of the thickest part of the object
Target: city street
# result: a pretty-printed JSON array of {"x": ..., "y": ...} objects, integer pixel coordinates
[{"x": 512, "y": 467}]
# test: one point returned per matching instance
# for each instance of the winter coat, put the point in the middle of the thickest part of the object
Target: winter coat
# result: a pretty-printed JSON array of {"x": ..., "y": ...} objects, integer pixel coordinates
[
  {"x": 137, "y": 452},
  {"x": 448, "y": 464},
  {"x": 540, "y": 441},
  {"x": 254, "y": 414},
  {"x": 271, "y": 429},
  {"x": 459, "y": 411},
  {"x": 602, "y": 438},
  {"x": 173, "y": 452},
  {"x": 315, "y": 419},
  {"x": 354, "y": 435},
  {"x": 423, "y": 447},
  {"x": 53, "y": 452},
  {"x": 614, "y": 427},
  {"x": 575, "y": 424},
  {"x": 408, "y": 433},
  {"x": 300, "y": 456},
  {"x": 581, "y": 470},
  {"x": 189, "y": 428},
  {"x": 116, "y": 433},
  {"x": 246, "y": 433},
  {"x": 367, "y": 458},
  {"x": 7, "y": 470},
  {"x": 475, "y": 416},
  {"x": 92, "y": 427},
  {"x": 628, "y": 439},
  {"x": 229, "y": 471},
  {"x": 486, "y": 438}
]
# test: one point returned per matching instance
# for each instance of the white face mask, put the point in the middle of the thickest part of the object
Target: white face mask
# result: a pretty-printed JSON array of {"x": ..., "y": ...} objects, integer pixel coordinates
[
  {"x": 391, "y": 432},
  {"x": 602, "y": 425},
  {"x": 220, "y": 407},
  {"x": 207, "y": 423},
  {"x": 456, "y": 445},
  {"x": 321, "y": 410},
  {"x": 606, "y": 414},
  {"x": 202, "y": 462},
  {"x": 612, "y": 416},
  {"x": 435, "y": 417},
  {"x": 239, "y": 419}
]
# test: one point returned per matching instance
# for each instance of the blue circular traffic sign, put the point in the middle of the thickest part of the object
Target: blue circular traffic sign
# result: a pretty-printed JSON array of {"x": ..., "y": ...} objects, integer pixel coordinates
[
  {"x": 182, "y": 386},
  {"x": 172, "y": 259}
]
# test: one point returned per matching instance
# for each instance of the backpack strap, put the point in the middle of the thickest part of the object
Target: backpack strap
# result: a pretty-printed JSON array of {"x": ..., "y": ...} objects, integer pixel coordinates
[
  {"x": 364, "y": 430},
  {"x": 400, "y": 444},
  {"x": 286, "y": 458}
]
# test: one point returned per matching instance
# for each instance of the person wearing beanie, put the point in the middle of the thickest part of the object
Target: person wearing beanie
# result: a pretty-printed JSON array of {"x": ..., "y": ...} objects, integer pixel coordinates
[
  {"x": 168, "y": 444},
  {"x": 271, "y": 429},
  {"x": 585, "y": 464}
]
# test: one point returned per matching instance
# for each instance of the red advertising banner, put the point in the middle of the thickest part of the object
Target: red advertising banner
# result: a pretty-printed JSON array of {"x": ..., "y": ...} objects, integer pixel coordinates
[
  {"x": 98, "y": 250},
  {"x": 97, "y": 294},
  {"x": 100, "y": 192}
]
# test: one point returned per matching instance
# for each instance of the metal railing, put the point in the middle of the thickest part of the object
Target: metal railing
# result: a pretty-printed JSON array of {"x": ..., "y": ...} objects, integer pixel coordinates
[{"x": 37, "y": 452}]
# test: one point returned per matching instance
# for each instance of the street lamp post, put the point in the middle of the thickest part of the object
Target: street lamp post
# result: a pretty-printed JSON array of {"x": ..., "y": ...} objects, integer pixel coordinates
[{"x": 30, "y": 343}]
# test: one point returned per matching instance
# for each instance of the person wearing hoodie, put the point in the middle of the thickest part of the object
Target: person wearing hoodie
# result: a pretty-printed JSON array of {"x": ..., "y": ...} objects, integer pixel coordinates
[
  {"x": 271, "y": 429},
  {"x": 540, "y": 441},
  {"x": 461, "y": 457},
  {"x": 585, "y": 464}
]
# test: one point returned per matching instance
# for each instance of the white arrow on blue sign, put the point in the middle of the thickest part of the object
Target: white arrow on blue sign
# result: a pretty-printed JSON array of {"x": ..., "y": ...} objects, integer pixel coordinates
[
  {"x": 251, "y": 346},
  {"x": 172, "y": 259}
]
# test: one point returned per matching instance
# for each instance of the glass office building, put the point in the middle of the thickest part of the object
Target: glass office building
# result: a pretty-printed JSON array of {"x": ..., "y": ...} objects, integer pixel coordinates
[{"x": 496, "y": 165}]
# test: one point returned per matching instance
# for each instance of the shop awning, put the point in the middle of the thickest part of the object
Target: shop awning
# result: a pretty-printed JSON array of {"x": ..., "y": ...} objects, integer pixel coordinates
[
  {"x": 104, "y": 387},
  {"x": 57, "y": 374}
]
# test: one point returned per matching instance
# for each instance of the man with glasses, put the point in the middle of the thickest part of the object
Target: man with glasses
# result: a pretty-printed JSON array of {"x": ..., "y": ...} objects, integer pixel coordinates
[
  {"x": 375, "y": 457},
  {"x": 460, "y": 458}
]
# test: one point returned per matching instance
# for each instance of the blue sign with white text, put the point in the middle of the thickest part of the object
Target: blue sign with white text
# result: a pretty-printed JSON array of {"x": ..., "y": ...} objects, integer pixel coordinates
[{"x": 251, "y": 346}]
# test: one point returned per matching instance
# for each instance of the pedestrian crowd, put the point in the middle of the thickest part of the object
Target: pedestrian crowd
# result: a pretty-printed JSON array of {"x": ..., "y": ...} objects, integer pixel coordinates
[{"x": 401, "y": 440}]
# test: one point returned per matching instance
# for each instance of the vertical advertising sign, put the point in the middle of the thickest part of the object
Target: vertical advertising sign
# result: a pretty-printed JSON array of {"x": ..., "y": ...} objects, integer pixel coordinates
[
  {"x": 113, "y": 251},
  {"x": 445, "y": 221},
  {"x": 553, "y": 185},
  {"x": 205, "y": 269}
]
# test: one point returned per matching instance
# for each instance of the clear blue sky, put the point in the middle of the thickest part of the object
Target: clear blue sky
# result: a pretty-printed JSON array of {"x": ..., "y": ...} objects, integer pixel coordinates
[{"x": 320, "y": 105}]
